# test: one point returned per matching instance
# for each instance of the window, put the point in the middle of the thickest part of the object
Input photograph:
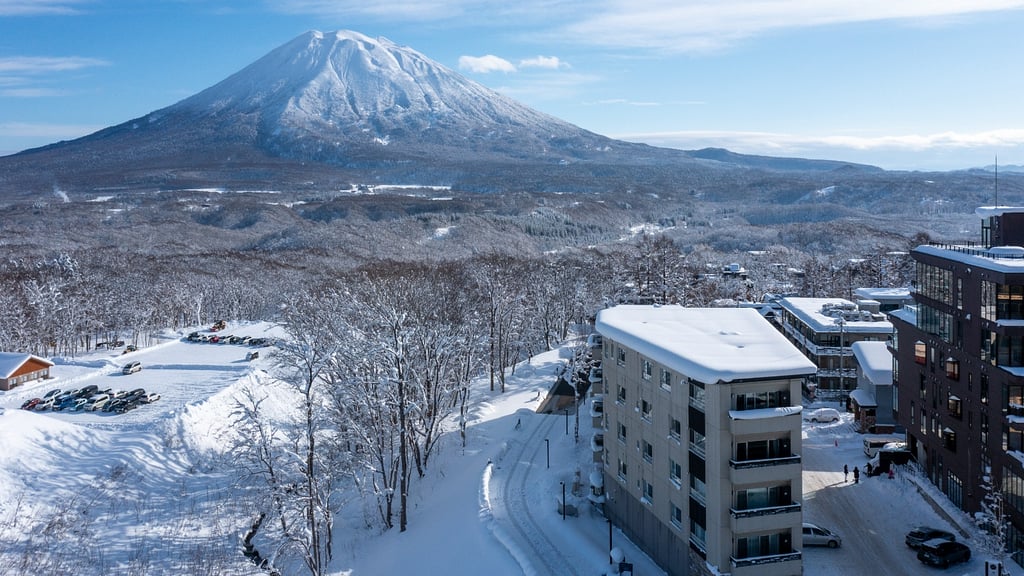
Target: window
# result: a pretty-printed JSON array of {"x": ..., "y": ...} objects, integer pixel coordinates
[
  {"x": 696, "y": 394},
  {"x": 983, "y": 387},
  {"x": 675, "y": 473},
  {"x": 675, "y": 429},
  {"x": 924, "y": 421},
  {"x": 920, "y": 352},
  {"x": 645, "y": 410},
  {"x": 953, "y": 404},
  {"x": 648, "y": 451},
  {"x": 698, "y": 489},
  {"x": 764, "y": 545},
  {"x": 1013, "y": 401},
  {"x": 620, "y": 397},
  {"x": 763, "y": 497},
  {"x": 763, "y": 449},
  {"x": 677, "y": 516},
  {"x": 648, "y": 492},
  {"x": 755, "y": 400},
  {"x": 949, "y": 439},
  {"x": 622, "y": 469},
  {"x": 698, "y": 443},
  {"x": 622, "y": 432},
  {"x": 646, "y": 369},
  {"x": 666, "y": 379},
  {"x": 952, "y": 368},
  {"x": 620, "y": 359}
]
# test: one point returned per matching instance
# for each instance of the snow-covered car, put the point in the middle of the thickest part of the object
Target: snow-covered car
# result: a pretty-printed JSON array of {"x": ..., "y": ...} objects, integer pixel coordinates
[
  {"x": 150, "y": 398},
  {"x": 921, "y": 534},
  {"x": 824, "y": 415},
  {"x": 942, "y": 553},
  {"x": 131, "y": 367}
]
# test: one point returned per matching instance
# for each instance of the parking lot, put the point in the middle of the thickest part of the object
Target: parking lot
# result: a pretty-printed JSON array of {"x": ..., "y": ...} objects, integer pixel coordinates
[{"x": 872, "y": 516}]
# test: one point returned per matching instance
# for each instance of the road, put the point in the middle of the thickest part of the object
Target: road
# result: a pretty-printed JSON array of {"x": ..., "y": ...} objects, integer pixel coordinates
[{"x": 872, "y": 516}]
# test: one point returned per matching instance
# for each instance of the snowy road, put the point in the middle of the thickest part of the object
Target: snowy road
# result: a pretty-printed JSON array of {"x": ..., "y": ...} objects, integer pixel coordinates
[{"x": 872, "y": 516}]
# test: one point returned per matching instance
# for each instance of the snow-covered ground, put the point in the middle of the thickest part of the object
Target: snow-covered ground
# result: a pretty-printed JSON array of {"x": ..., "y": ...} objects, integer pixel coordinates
[{"x": 121, "y": 492}]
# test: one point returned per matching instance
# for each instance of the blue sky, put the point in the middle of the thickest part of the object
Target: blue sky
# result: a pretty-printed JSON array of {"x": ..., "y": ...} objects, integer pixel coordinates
[{"x": 902, "y": 84}]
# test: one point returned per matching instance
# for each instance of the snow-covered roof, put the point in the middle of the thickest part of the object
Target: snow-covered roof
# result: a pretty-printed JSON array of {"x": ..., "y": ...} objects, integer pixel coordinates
[
  {"x": 811, "y": 312},
  {"x": 707, "y": 344},
  {"x": 863, "y": 397},
  {"x": 990, "y": 211},
  {"x": 11, "y": 361},
  {"x": 997, "y": 259},
  {"x": 875, "y": 360},
  {"x": 883, "y": 294}
]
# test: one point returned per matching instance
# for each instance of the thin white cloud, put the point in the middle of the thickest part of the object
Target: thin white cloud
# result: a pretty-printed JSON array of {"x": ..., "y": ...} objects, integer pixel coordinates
[
  {"x": 29, "y": 93},
  {"x": 782, "y": 143},
  {"x": 485, "y": 64},
  {"x": 663, "y": 25},
  {"x": 48, "y": 131},
  {"x": 549, "y": 62},
  {"x": 46, "y": 64},
  {"x": 700, "y": 25},
  {"x": 40, "y": 7}
]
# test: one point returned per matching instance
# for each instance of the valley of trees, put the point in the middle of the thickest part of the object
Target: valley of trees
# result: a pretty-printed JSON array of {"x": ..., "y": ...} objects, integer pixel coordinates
[{"x": 386, "y": 331}]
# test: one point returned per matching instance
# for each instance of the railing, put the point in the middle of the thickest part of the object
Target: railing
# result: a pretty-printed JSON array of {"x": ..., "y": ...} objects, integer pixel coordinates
[
  {"x": 782, "y": 460},
  {"x": 969, "y": 248},
  {"x": 759, "y": 560},
  {"x": 768, "y": 511}
]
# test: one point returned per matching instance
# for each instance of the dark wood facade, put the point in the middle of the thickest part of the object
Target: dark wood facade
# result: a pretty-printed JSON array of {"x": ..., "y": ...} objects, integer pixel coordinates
[{"x": 960, "y": 372}]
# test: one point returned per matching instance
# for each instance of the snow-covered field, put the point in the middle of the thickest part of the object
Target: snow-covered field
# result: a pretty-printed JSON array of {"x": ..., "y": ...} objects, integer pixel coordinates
[{"x": 140, "y": 493}]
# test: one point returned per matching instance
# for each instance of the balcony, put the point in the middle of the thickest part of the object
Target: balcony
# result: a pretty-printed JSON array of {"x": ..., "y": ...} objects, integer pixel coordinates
[
  {"x": 742, "y": 566},
  {"x": 766, "y": 470},
  {"x": 762, "y": 519}
]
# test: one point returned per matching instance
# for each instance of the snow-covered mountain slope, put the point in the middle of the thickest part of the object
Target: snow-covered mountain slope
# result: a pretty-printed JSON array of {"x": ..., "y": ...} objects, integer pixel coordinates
[{"x": 342, "y": 107}]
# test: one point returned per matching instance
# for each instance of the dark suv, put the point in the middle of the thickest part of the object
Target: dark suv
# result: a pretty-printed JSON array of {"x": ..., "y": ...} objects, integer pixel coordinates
[
  {"x": 942, "y": 553},
  {"x": 922, "y": 534}
]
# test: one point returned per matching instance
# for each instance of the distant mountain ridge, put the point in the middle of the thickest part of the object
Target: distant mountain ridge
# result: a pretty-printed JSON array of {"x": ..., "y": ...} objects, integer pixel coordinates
[{"x": 327, "y": 110}]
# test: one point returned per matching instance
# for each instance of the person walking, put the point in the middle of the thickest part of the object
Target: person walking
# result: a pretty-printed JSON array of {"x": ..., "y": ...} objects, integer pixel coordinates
[
  {"x": 856, "y": 475},
  {"x": 846, "y": 473}
]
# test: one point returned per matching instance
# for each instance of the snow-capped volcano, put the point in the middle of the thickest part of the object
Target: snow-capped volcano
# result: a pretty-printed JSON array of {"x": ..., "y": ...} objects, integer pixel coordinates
[
  {"x": 340, "y": 106},
  {"x": 346, "y": 85}
]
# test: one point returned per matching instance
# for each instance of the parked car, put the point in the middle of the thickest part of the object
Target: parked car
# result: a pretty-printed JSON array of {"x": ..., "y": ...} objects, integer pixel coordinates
[
  {"x": 150, "y": 398},
  {"x": 922, "y": 534},
  {"x": 824, "y": 415},
  {"x": 52, "y": 394},
  {"x": 131, "y": 367},
  {"x": 193, "y": 337},
  {"x": 219, "y": 325},
  {"x": 30, "y": 403},
  {"x": 96, "y": 402},
  {"x": 942, "y": 553},
  {"x": 78, "y": 404},
  {"x": 130, "y": 348},
  {"x": 45, "y": 403},
  {"x": 126, "y": 406},
  {"x": 815, "y": 535},
  {"x": 87, "y": 391}
]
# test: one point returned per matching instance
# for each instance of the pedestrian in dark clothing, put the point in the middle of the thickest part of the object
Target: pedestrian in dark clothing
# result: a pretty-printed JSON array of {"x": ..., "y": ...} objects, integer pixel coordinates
[
  {"x": 856, "y": 475},
  {"x": 846, "y": 473}
]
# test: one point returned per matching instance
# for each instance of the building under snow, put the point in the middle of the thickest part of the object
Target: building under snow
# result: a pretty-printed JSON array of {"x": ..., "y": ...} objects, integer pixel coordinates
[{"x": 702, "y": 438}]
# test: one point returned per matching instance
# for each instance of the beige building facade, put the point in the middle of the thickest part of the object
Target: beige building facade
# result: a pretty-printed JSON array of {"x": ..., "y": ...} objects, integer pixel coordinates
[{"x": 701, "y": 417}]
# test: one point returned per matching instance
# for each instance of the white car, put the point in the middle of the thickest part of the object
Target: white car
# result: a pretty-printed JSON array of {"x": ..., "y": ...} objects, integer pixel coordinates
[
  {"x": 824, "y": 415},
  {"x": 815, "y": 535}
]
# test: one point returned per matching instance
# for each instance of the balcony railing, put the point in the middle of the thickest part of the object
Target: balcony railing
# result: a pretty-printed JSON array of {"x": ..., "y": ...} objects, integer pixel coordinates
[
  {"x": 759, "y": 560},
  {"x": 780, "y": 461},
  {"x": 768, "y": 511}
]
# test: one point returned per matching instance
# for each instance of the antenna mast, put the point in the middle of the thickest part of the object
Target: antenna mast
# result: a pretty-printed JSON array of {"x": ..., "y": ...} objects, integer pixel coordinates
[{"x": 997, "y": 180}]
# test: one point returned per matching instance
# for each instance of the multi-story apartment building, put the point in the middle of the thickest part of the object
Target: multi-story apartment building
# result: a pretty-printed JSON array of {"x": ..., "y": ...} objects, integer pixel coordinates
[
  {"x": 960, "y": 366},
  {"x": 824, "y": 329},
  {"x": 702, "y": 441}
]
